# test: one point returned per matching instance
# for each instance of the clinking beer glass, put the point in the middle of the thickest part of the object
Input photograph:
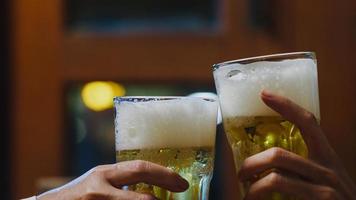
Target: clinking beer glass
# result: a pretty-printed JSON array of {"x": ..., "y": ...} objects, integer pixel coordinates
[
  {"x": 175, "y": 132},
  {"x": 252, "y": 127}
]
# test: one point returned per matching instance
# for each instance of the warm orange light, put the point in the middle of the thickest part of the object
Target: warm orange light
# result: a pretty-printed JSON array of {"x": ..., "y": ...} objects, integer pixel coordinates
[{"x": 98, "y": 95}]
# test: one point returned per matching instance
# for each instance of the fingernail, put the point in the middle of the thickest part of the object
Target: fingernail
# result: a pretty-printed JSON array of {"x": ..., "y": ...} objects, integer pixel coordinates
[
  {"x": 267, "y": 93},
  {"x": 183, "y": 184}
]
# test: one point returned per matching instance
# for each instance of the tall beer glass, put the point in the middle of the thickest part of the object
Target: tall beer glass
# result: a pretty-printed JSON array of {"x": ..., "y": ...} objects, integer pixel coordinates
[
  {"x": 251, "y": 126},
  {"x": 176, "y": 132}
]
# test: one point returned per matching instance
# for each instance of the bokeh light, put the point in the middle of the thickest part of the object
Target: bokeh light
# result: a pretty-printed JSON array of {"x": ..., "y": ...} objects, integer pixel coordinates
[{"x": 98, "y": 95}]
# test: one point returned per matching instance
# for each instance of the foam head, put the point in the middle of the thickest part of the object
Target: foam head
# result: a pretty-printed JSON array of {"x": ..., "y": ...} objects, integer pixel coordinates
[
  {"x": 239, "y": 86},
  {"x": 172, "y": 123}
]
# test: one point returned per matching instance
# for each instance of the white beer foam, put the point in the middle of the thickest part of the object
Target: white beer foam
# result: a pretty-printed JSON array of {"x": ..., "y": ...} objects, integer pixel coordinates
[
  {"x": 239, "y": 92},
  {"x": 176, "y": 123}
]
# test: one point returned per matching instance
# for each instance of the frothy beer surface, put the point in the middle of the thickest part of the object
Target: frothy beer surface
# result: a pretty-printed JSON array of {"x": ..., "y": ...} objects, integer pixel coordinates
[
  {"x": 240, "y": 86},
  {"x": 174, "y": 123}
]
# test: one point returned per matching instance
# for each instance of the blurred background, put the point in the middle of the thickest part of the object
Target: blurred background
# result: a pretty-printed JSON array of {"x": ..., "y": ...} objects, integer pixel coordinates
[{"x": 63, "y": 60}]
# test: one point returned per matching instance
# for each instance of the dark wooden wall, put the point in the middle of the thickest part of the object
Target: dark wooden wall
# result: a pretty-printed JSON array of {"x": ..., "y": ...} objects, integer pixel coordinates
[{"x": 46, "y": 57}]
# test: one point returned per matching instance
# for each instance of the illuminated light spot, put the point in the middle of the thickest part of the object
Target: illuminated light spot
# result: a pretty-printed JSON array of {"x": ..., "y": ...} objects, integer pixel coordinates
[{"x": 98, "y": 95}]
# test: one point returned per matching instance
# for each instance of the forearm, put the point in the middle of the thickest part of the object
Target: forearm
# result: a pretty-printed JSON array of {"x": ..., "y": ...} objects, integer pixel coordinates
[{"x": 30, "y": 198}]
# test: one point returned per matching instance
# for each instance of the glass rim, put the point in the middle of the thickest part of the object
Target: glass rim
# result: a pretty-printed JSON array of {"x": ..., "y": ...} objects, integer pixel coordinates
[
  {"x": 119, "y": 99},
  {"x": 271, "y": 57}
]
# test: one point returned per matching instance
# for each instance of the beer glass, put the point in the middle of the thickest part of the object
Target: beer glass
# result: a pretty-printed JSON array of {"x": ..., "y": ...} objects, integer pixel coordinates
[
  {"x": 175, "y": 132},
  {"x": 251, "y": 126}
]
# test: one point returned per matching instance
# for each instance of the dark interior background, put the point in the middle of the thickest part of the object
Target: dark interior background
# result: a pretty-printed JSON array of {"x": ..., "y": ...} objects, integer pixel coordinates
[
  {"x": 48, "y": 53},
  {"x": 4, "y": 100}
]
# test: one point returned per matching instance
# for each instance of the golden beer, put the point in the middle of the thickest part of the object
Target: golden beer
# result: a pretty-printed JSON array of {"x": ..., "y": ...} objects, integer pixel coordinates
[
  {"x": 193, "y": 164},
  {"x": 252, "y": 127},
  {"x": 250, "y": 135},
  {"x": 178, "y": 133}
]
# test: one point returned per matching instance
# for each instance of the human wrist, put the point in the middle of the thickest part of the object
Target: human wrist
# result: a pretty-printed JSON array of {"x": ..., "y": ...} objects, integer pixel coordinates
[
  {"x": 56, "y": 194},
  {"x": 47, "y": 196}
]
